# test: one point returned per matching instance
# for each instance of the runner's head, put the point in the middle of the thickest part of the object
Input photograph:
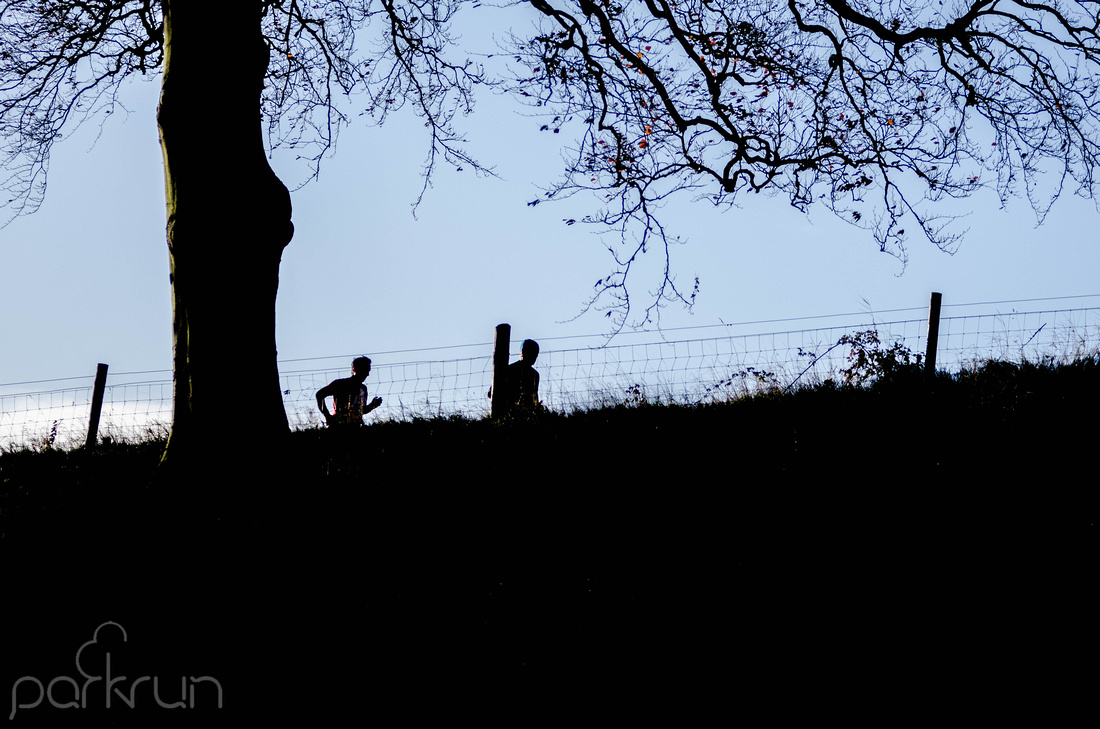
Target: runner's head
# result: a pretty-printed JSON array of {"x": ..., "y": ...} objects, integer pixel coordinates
[{"x": 360, "y": 366}]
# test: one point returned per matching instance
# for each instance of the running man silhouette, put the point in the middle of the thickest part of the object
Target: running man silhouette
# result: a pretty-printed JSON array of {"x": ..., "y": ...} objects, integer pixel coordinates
[
  {"x": 349, "y": 396},
  {"x": 523, "y": 379}
]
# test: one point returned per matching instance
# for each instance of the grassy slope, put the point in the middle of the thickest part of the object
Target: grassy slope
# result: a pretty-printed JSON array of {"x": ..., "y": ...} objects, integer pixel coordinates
[{"x": 834, "y": 540}]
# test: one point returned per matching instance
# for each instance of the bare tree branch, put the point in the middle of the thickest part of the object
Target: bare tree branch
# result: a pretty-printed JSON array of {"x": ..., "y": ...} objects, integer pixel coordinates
[
  {"x": 62, "y": 64},
  {"x": 881, "y": 112}
]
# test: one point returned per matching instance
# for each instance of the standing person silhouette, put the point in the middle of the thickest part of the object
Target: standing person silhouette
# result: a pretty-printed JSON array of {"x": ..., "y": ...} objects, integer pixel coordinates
[
  {"x": 523, "y": 379},
  {"x": 349, "y": 396}
]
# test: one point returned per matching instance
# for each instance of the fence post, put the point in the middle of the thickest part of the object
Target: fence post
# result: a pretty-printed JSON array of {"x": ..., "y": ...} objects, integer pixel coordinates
[
  {"x": 97, "y": 404},
  {"x": 498, "y": 406},
  {"x": 933, "y": 334}
]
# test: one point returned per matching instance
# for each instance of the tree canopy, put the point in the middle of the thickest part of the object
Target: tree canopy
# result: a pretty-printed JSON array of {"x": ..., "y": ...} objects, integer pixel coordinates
[
  {"x": 62, "y": 63},
  {"x": 881, "y": 111}
]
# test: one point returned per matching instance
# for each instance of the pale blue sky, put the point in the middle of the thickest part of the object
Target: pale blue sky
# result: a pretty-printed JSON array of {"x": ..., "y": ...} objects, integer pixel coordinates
[{"x": 85, "y": 279}]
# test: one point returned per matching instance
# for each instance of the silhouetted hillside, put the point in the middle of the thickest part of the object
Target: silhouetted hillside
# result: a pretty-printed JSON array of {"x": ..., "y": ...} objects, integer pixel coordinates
[{"x": 832, "y": 546}]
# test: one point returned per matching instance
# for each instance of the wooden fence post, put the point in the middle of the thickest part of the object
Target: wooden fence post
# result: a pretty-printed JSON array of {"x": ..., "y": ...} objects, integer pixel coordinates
[
  {"x": 933, "y": 334},
  {"x": 498, "y": 406},
  {"x": 97, "y": 404}
]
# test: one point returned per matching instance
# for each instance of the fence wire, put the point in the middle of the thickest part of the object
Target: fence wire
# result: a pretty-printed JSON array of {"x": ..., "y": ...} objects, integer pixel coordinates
[{"x": 656, "y": 368}]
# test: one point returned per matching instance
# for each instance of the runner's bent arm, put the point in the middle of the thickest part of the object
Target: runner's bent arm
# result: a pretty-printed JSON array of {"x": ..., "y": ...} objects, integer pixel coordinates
[{"x": 323, "y": 393}]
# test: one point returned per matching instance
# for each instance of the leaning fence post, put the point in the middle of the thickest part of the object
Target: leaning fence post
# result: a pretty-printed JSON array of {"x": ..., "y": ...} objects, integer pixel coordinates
[
  {"x": 933, "y": 334},
  {"x": 498, "y": 404},
  {"x": 97, "y": 404}
]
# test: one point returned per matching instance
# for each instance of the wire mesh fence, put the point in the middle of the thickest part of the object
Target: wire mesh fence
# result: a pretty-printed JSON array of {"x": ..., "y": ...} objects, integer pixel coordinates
[{"x": 735, "y": 360}]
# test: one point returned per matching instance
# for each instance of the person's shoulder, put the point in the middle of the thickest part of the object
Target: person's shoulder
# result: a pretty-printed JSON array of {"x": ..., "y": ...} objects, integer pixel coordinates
[{"x": 340, "y": 384}]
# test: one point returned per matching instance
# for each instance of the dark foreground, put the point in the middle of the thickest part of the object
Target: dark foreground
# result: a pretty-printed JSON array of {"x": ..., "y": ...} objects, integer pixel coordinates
[{"x": 862, "y": 559}]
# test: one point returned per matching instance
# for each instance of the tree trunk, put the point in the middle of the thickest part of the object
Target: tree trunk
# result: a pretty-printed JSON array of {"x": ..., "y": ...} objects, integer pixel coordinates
[{"x": 228, "y": 222}]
